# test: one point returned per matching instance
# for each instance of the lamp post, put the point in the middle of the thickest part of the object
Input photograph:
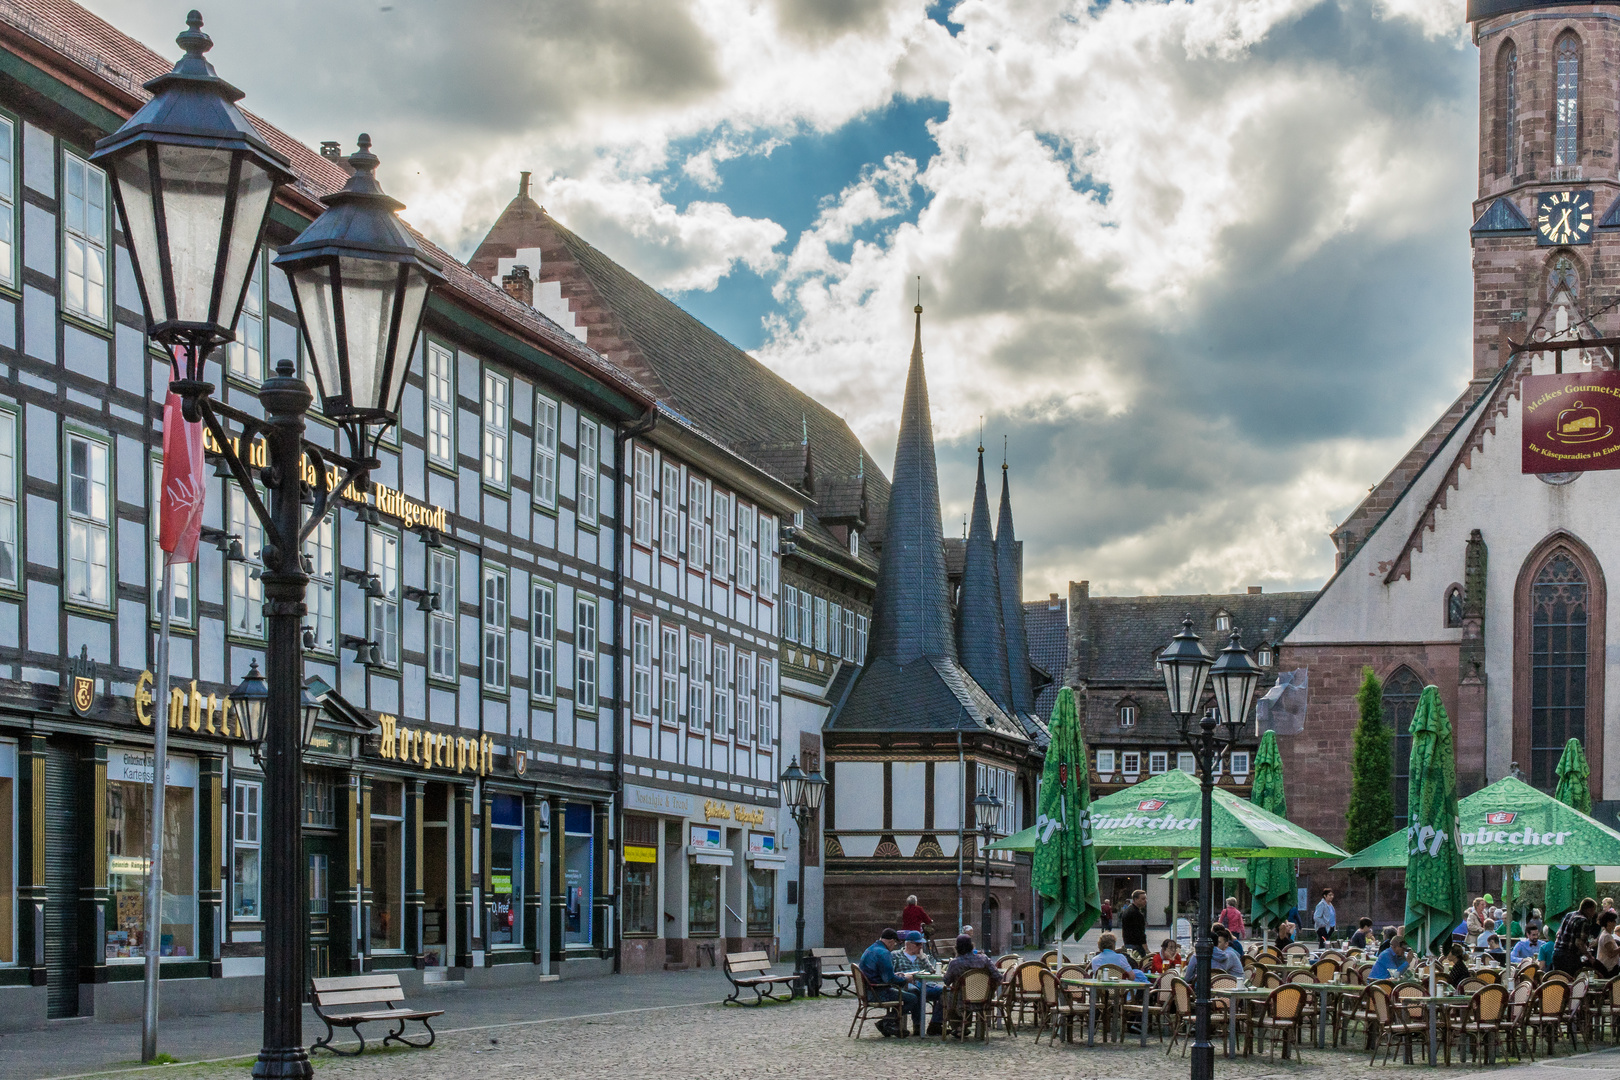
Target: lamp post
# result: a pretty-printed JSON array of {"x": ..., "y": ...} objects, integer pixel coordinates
[
  {"x": 194, "y": 183},
  {"x": 986, "y": 811},
  {"x": 801, "y": 794},
  {"x": 1186, "y": 667}
]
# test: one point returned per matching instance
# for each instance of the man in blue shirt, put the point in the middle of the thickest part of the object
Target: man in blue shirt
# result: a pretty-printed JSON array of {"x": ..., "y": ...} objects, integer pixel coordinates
[
  {"x": 877, "y": 964},
  {"x": 1391, "y": 962},
  {"x": 1108, "y": 954},
  {"x": 1527, "y": 948}
]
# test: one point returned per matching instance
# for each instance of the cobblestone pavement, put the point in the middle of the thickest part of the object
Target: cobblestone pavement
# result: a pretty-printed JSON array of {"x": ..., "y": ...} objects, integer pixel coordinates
[{"x": 807, "y": 1038}]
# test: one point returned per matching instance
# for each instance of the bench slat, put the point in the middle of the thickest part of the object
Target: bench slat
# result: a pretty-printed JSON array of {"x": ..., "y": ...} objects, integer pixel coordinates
[
  {"x": 359, "y": 997},
  {"x": 356, "y": 982},
  {"x": 743, "y": 969},
  {"x": 734, "y": 957}
]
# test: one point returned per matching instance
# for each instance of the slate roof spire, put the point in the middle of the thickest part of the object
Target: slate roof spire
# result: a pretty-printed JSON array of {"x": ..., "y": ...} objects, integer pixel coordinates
[
  {"x": 981, "y": 636},
  {"x": 1009, "y": 573},
  {"x": 911, "y": 614}
]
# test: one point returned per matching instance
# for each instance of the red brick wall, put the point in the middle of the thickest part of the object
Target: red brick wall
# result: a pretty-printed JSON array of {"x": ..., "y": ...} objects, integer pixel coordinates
[{"x": 859, "y": 905}]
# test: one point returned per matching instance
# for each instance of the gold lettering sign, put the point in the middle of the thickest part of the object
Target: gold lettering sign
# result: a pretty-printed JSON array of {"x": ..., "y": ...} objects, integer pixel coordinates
[
  {"x": 747, "y": 816},
  {"x": 434, "y": 749},
  {"x": 714, "y": 811},
  {"x": 189, "y": 711}
]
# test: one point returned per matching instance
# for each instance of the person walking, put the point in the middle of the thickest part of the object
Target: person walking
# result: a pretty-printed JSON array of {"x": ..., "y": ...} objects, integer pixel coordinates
[
  {"x": 1325, "y": 917},
  {"x": 1107, "y": 915},
  {"x": 1231, "y": 918},
  {"x": 915, "y": 918},
  {"x": 1133, "y": 923},
  {"x": 1569, "y": 945}
]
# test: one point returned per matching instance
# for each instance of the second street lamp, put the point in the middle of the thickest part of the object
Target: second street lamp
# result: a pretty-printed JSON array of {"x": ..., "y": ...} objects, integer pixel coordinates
[
  {"x": 986, "y": 812},
  {"x": 801, "y": 795}
]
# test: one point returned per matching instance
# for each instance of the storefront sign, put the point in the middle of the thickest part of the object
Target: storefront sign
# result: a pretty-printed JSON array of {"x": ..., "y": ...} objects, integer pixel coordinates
[
  {"x": 83, "y": 672},
  {"x": 762, "y": 843},
  {"x": 388, "y": 501},
  {"x": 640, "y": 854},
  {"x": 705, "y": 837},
  {"x": 715, "y": 810},
  {"x": 435, "y": 749},
  {"x": 659, "y": 801},
  {"x": 188, "y": 710},
  {"x": 748, "y": 815},
  {"x": 135, "y": 767},
  {"x": 1571, "y": 422}
]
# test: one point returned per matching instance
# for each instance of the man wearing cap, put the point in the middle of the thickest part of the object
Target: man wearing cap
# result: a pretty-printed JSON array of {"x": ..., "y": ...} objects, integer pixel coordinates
[
  {"x": 909, "y": 962},
  {"x": 877, "y": 964}
]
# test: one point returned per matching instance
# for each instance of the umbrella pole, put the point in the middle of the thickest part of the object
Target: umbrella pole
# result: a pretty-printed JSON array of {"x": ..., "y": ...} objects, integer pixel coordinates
[
  {"x": 1507, "y": 925},
  {"x": 1434, "y": 964}
]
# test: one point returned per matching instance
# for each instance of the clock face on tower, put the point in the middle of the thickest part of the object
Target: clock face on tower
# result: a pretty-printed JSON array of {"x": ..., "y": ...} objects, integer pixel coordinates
[{"x": 1564, "y": 217}]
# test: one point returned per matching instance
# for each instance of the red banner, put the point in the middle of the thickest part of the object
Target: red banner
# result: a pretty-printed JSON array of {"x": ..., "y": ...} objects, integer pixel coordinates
[
  {"x": 1571, "y": 422},
  {"x": 180, "y": 503}
]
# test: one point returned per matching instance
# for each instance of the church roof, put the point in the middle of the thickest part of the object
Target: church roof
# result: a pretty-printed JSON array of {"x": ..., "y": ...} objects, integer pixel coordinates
[
  {"x": 1010, "y": 576},
  {"x": 1126, "y": 633},
  {"x": 981, "y": 633},
  {"x": 1046, "y": 624}
]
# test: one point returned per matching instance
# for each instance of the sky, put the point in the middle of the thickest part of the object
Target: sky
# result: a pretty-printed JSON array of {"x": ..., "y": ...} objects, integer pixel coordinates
[{"x": 1202, "y": 267}]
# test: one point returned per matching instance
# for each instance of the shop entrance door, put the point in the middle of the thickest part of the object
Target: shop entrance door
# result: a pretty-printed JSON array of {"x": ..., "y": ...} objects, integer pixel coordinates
[
  {"x": 62, "y": 840},
  {"x": 438, "y": 878},
  {"x": 318, "y": 859}
]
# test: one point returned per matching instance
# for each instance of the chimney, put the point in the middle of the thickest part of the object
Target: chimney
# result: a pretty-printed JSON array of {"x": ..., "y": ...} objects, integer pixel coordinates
[
  {"x": 331, "y": 151},
  {"x": 523, "y": 185},
  {"x": 1254, "y": 590},
  {"x": 518, "y": 284}
]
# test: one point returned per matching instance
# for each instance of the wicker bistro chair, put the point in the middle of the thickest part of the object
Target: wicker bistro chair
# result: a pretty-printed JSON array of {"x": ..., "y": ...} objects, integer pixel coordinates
[
  {"x": 1297, "y": 952},
  {"x": 1483, "y": 1020},
  {"x": 1360, "y": 1012},
  {"x": 866, "y": 1007},
  {"x": 1576, "y": 1017},
  {"x": 1514, "y": 1025},
  {"x": 1023, "y": 996},
  {"x": 1392, "y": 1024},
  {"x": 1184, "y": 1023},
  {"x": 1156, "y": 1008},
  {"x": 1470, "y": 984},
  {"x": 1324, "y": 969},
  {"x": 1488, "y": 975},
  {"x": 971, "y": 1003},
  {"x": 1547, "y": 1012},
  {"x": 1605, "y": 1011},
  {"x": 1049, "y": 957},
  {"x": 1063, "y": 1007},
  {"x": 1283, "y": 1017}
]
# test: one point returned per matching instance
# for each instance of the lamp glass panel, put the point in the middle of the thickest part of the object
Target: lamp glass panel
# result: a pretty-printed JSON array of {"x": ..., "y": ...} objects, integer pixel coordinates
[
  {"x": 814, "y": 788},
  {"x": 313, "y": 286},
  {"x": 410, "y": 316},
  {"x": 194, "y": 180},
  {"x": 368, "y": 308},
  {"x": 1233, "y": 692},
  {"x": 134, "y": 181},
  {"x": 253, "y": 192},
  {"x": 311, "y": 714}
]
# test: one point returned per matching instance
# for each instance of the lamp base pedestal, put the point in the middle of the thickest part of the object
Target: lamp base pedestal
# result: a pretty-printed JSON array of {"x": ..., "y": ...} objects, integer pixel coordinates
[
  {"x": 283, "y": 1063},
  {"x": 1203, "y": 1061}
]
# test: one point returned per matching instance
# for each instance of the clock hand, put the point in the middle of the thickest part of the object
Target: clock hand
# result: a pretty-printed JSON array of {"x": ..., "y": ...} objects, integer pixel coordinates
[{"x": 1563, "y": 221}]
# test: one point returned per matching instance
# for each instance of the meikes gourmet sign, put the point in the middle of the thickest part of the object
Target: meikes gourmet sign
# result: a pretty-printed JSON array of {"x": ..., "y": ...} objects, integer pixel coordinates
[{"x": 1571, "y": 422}]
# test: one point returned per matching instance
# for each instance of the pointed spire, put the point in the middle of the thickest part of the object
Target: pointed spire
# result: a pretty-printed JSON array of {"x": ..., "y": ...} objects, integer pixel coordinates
[
  {"x": 981, "y": 639},
  {"x": 1010, "y": 574},
  {"x": 911, "y": 613}
]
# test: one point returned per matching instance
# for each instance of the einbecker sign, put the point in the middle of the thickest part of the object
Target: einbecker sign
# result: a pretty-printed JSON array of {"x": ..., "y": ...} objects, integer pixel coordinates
[{"x": 1571, "y": 422}]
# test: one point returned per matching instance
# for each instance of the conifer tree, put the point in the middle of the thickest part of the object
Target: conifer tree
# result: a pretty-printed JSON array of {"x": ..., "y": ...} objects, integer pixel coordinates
[{"x": 1371, "y": 815}]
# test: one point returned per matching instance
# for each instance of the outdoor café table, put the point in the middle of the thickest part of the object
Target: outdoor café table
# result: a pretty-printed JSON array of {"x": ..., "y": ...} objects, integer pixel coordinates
[
  {"x": 1110, "y": 985},
  {"x": 1236, "y": 996},
  {"x": 1323, "y": 990},
  {"x": 921, "y": 979},
  {"x": 1439, "y": 1001}
]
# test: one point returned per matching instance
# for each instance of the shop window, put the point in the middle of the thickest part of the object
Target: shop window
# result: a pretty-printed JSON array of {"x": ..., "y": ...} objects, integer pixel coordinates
[
  {"x": 8, "y": 498},
  {"x": 84, "y": 239},
  {"x": 8, "y": 845},
  {"x": 384, "y": 608},
  {"x": 585, "y": 646},
  {"x": 761, "y": 901},
  {"x": 642, "y": 490},
  {"x": 89, "y": 521},
  {"x": 669, "y": 510},
  {"x": 320, "y": 800},
  {"x": 245, "y": 851},
  {"x": 321, "y": 551},
  {"x": 640, "y": 877},
  {"x": 641, "y": 668},
  {"x": 720, "y": 672},
  {"x": 696, "y": 689},
  {"x": 590, "y": 477},
  {"x": 246, "y": 610},
  {"x": 497, "y": 427},
  {"x": 181, "y": 612},
  {"x": 790, "y": 613},
  {"x": 695, "y": 545},
  {"x": 244, "y": 357},
  {"x": 129, "y": 791},
  {"x": 669, "y": 675},
  {"x": 505, "y": 888},
  {"x": 387, "y": 867},
  {"x": 578, "y": 875},
  {"x": 440, "y": 378},
  {"x": 442, "y": 661},
  {"x": 746, "y": 559},
  {"x": 545, "y": 452},
  {"x": 703, "y": 900},
  {"x": 543, "y": 633},
  {"x": 496, "y": 629},
  {"x": 720, "y": 538}
]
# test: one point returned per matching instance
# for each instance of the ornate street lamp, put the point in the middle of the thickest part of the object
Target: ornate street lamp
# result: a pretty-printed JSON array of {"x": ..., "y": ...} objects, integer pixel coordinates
[
  {"x": 1233, "y": 678},
  {"x": 801, "y": 795},
  {"x": 313, "y": 707},
  {"x": 986, "y": 812},
  {"x": 248, "y": 702}
]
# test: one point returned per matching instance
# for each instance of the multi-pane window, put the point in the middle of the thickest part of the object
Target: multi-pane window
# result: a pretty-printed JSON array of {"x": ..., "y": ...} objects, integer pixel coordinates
[
  {"x": 1186, "y": 762},
  {"x": 89, "y": 520},
  {"x": 1105, "y": 762},
  {"x": 849, "y": 634},
  {"x": 720, "y": 537},
  {"x": 1127, "y": 715},
  {"x": 1401, "y": 693},
  {"x": 244, "y": 357},
  {"x": 496, "y": 628},
  {"x": 1131, "y": 763},
  {"x": 246, "y": 611},
  {"x": 543, "y": 634},
  {"x": 1240, "y": 763},
  {"x": 384, "y": 565},
  {"x": 790, "y": 613},
  {"x": 720, "y": 672},
  {"x": 585, "y": 646},
  {"x": 497, "y": 426},
  {"x": 695, "y": 502},
  {"x": 670, "y": 510},
  {"x": 641, "y": 668},
  {"x": 765, "y": 693},
  {"x": 545, "y": 451},
  {"x": 745, "y": 547},
  {"x": 669, "y": 674},
  {"x": 642, "y": 515},
  {"x": 590, "y": 461},
  {"x": 745, "y": 697},
  {"x": 835, "y": 629},
  {"x": 821, "y": 624},
  {"x": 807, "y": 633},
  {"x": 442, "y": 661},
  {"x": 245, "y": 851},
  {"x": 441, "y": 404},
  {"x": 1510, "y": 109},
  {"x": 9, "y": 574},
  {"x": 767, "y": 556},
  {"x": 179, "y": 599},
  {"x": 1566, "y": 118},
  {"x": 1158, "y": 762},
  {"x": 697, "y": 692},
  {"x": 1559, "y": 627},
  {"x": 320, "y": 551},
  {"x": 84, "y": 239},
  {"x": 861, "y": 626},
  {"x": 8, "y": 201}
]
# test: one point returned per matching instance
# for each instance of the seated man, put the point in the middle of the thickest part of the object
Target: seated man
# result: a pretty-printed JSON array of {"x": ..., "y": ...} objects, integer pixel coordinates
[
  {"x": 1528, "y": 948},
  {"x": 910, "y": 961},
  {"x": 877, "y": 964},
  {"x": 1223, "y": 957},
  {"x": 1108, "y": 955},
  {"x": 1391, "y": 962}
]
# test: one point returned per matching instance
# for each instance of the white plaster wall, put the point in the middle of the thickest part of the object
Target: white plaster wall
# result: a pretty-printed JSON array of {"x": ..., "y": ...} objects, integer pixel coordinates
[{"x": 802, "y": 709}]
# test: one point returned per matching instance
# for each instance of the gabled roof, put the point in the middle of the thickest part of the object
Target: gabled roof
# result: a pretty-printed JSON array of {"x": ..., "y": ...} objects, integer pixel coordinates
[
  {"x": 1046, "y": 624},
  {"x": 930, "y": 693},
  {"x": 1127, "y": 632},
  {"x": 1010, "y": 577}
]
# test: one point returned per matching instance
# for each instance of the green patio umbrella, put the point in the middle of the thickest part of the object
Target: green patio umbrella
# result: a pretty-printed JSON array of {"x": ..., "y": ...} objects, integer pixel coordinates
[
  {"x": 1065, "y": 864},
  {"x": 1568, "y": 882},
  {"x": 1159, "y": 819},
  {"x": 1436, "y": 896},
  {"x": 1271, "y": 881},
  {"x": 1221, "y": 869},
  {"x": 1509, "y": 823}
]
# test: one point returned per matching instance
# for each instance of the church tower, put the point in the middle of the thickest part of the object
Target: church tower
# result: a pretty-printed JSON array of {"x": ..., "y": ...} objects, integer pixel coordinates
[{"x": 1546, "y": 235}]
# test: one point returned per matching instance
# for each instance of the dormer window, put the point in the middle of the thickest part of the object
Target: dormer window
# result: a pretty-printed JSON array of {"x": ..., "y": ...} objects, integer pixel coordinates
[
  {"x": 1223, "y": 622},
  {"x": 798, "y": 519},
  {"x": 854, "y": 543},
  {"x": 1262, "y": 655},
  {"x": 1127, "y": 713}
]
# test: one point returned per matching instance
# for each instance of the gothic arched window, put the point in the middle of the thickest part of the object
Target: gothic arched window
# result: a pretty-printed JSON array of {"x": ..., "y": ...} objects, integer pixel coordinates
[
  {"x": 1454, "y": 607},
  {"x": 1566, "y": 118},
  {"x": 1563, "y": 277},
  {"x": 1509, "y": 82},
  {"x": 1559, "y": 600},
  {"x": 1401, "y": 692}
]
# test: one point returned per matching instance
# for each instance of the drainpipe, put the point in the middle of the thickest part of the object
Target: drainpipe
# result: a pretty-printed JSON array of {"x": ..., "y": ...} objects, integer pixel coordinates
[
  {"x": 961, "y": 821},
  {"x": 621, "y": 435}
]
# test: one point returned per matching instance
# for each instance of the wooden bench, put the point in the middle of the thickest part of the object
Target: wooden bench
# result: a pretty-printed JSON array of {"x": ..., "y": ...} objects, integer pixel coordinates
[
  {"x": 835, "y": 969},
  {"x": 752, "y": 971},
  {"x": 335, "y": 1002}
]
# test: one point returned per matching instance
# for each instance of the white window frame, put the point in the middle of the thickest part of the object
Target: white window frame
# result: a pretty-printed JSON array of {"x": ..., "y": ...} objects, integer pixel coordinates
[
  {"x": 720, "y": 691},
  {"x": 244, "y": 357},
  {"x": 590, "y": 476},
  {"x": 697, "y": 689},
  {"x": 767, "y": 557},
  {"x": 1106, "y": 763},
  {"x": 586, "y": 644},
  {"x": 1187, "y": 761},
  {"x": 495, "y": 615},
  {"x": 807, "y": 632},
  {"x": 1130, "y": 763},
  {"x": 440, "y": 380},
  {"x": 244, "y": 592},
  {"x": 1127, "y": 715},
  {"x": 1240, "y": 757},
  {"x": 641, "y": 481},
  {"x": 821, "y": 624},
  {"x": 720, "y": 536},
  {"x": 320, "y": 553},
  {"x": 745, "y": 696},
  {"x": 86, "y": 231},
  {"x": 182, "y": 605},
  {"x": 89, "y": 549},
  {"x": 10, "y": 503},
  {"x": 849, "y": 634},
  {"x": 543, "y": 634},
  {"x": 1223, "y": 622},
  {"x": 669, "y": 674},
  {"x": 863, "y": 627},
  {"x": 790, "y": 614},
  {"x": 669, "y": 510},
  {"x": 545, "y": 451},
  {"x": 1158, "y": 762},
  {"x": 765, "y": 696},
  {"x": 382, "y": 612},
  {"x": 641, "y": 676},
  {"x": 835, "y": 629},
  {"x": 247, "y": 823},
  {"x": 497, "y": 429},
  {"x": 697, "y": 501},
  {"x": 8, "y": 201},
  {"x": 746, "y": 560},
  {"x": 444, "y": 661}
]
